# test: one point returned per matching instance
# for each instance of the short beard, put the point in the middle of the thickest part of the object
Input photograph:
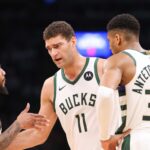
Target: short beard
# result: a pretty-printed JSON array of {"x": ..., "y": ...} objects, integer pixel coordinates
[{"x": 3, "y": 90}]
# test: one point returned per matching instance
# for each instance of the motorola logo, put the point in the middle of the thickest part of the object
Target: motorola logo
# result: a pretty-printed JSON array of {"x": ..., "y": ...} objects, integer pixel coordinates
[{"x": 88, "y": 75}]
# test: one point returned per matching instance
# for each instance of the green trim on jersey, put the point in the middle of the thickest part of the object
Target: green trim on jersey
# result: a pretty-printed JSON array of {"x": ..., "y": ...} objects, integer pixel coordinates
[
  {"x": 123, "y": 107},
  {"x": 78, "y": 77},
  {"x": 121, "y": 90},
  {"x": 126, "y": 143},
  {"x": 122, "y": 93},
  {"x": 120, "y": 129},
  {"x": 95, "y": 70},
  {"x": 55, "y": 86},
  {"x": 147, "y": 92},
  {"x": 130, "y": 56}
]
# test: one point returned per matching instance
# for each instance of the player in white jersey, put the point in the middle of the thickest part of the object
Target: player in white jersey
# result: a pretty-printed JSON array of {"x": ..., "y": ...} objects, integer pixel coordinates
[
  {"x": 128, "y": 68},
  {"x": 70, "y": 95},
  {"x": 75, "y": 102}
]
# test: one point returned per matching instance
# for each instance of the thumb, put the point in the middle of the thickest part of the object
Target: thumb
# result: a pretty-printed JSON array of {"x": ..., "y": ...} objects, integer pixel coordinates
[{"x": 27, "y": 108}]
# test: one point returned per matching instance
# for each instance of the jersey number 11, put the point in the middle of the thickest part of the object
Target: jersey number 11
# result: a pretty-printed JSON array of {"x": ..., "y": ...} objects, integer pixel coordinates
[{"x": 81, "y": 123}]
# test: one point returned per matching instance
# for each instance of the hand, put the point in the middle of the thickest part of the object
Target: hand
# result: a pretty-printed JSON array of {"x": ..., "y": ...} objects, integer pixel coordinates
[
  {"x": 114, "y": 141},
  {"x": 30, "y": 120}
]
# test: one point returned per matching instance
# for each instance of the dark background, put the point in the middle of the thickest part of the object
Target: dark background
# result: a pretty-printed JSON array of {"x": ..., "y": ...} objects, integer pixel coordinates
[{"x": 26, "y": 61}]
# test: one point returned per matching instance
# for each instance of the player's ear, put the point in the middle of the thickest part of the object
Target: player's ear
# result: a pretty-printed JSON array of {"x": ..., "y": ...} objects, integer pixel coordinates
[
  {"x": 73, "y": 41},
  {"x": 118, "y": 39}
]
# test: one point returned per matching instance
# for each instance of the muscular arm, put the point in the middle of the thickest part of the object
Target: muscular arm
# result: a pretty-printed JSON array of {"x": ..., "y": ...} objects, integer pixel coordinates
[
  {"x": 106, "y": 97},
  {"x": 32, "y": 137},
  {"x": 8, "y": 135},
  {"x": 113, "y": 75},
  {"x": 118, "y": 69},
  {"x": 25, "y": 120}
]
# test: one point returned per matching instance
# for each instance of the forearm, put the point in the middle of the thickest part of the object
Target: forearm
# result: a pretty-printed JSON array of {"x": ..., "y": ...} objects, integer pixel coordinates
[
  {"x": 32, "y": 137},
  {"x": 105, "y": 107},
  {"x": 8, "y": 135},
  {"x": 26, "y": 139}
]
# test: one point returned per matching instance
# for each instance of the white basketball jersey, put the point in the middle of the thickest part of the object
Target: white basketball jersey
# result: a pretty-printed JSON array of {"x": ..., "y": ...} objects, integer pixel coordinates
[
  {"x": 75, "y": 106},
  {"x": 138, "y": 93}
]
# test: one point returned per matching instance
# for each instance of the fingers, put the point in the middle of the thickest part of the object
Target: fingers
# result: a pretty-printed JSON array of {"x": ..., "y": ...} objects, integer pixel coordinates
[
  {"x": 27, "y": 108},
  {"x": 126, "y": 133},
  {"x": 39, "y": 121},
  {"x": 37, "y": 127},
  {"x": 114, "y": 140},
  {"x": 40, "y": 124},
  {"x": 34, "y": 122},
  {"x": 36, "y": 115},
  {"x": 123, "y": 135}
]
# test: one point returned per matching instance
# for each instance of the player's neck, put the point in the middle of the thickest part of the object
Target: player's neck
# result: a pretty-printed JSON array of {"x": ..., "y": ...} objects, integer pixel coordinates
[
  {"x": 135, "y": 46},
  {"x": 75, "y": 68}
]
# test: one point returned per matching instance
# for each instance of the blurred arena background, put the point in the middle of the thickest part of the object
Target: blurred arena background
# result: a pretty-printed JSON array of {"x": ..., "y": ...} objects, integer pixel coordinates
[{"x": 26, "y": 61}]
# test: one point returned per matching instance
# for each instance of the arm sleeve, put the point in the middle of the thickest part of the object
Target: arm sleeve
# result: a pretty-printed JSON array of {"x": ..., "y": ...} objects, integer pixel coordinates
[{"x": 105, "y": 111}]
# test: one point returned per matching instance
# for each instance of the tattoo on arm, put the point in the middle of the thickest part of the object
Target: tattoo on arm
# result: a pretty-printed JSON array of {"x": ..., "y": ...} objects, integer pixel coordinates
[{"x": 8, "y": 135}]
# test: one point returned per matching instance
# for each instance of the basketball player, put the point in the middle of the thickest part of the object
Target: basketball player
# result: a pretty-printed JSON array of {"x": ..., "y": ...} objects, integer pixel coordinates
[
  {"x": 25, "y": 120},
  {"x": 70, "y": 95},
  {"x": 128, "y": 69}
]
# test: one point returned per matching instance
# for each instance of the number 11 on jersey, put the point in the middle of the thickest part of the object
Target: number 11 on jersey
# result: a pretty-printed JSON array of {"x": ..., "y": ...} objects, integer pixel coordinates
[{"x": 81, "y": 123}]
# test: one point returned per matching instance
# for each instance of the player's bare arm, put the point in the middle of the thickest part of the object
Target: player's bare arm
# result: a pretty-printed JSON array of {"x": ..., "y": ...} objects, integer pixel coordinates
[
  {"x": 25, "y": 120},
  {"x": 9, "y": 135},
  {"x": 32, "y": 137},
  {"x": 113, "y": 72},
  {"x": 100, "y": 67}
]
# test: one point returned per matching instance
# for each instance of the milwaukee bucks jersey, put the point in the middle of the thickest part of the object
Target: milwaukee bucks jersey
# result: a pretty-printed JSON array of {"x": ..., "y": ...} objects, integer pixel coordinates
[
  {"x": 138, "y": 92},
  {"x": 135, "y": 104},
  {"x": 75, "y": 106}
]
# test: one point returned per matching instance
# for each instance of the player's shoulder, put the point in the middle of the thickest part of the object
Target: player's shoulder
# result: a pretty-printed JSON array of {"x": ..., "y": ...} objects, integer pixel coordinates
[
  {"x": 118, "y": 60},
  {"x": 49, "y": 82},
  {"x": 121, "y": 55},
  {"x": 100, "y": 61},
  {"x": 48, "y": 89},
  {"x": 97, "y": 61}
]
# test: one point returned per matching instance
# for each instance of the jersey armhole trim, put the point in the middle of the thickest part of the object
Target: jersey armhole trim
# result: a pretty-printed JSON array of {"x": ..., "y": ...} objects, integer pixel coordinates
[
  {"x": 55, "y": 87},
  {"x": 95, "y": 71},
  {"x": 130, "y": 57}
]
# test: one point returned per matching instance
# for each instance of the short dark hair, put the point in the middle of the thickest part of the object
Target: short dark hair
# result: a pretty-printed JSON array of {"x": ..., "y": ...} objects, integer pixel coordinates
[
  {"x": 124, "y": 22},
  {"x": 58, "y": 28}
]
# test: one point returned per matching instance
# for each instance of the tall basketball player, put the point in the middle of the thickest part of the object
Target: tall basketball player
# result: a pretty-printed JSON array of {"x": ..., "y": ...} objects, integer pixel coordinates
[
  {"x": 128, "y": 68},
  {"x": 70, "y": 95}
]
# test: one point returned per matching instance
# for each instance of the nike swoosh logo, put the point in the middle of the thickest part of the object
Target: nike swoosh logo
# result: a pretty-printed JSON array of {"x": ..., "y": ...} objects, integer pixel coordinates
[{"x": 60, "y": 88}]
